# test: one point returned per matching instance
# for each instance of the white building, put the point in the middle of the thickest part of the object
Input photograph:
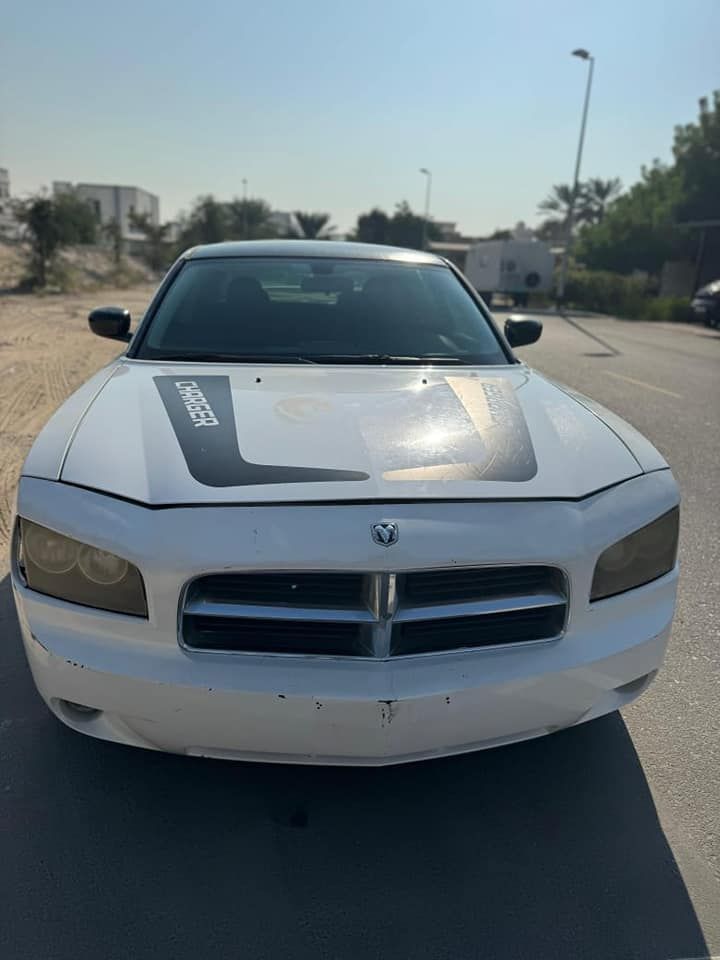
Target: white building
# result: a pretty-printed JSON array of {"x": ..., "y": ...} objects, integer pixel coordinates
[
  {"x": 285, "y": 224},
  {"x": 112, "y": 202},
  {"x": 9, "y": 227}
]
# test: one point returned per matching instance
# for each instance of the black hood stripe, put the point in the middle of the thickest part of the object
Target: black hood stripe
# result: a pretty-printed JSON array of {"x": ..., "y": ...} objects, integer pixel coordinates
[
  {"x": 474, "y": 429},
  {"x": 201, "y": 413}
]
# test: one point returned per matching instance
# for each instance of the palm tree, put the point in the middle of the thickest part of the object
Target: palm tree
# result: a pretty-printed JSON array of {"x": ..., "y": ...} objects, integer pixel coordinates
[
  {"x": 599, "y": 194},
  {"x": 314, "y": 225},
  {"x": 560, "y": 201}
]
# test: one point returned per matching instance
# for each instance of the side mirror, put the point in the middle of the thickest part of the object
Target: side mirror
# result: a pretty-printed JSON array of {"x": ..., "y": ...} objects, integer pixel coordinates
[
  {"x": 111, "y": 322},
  {"x": 520, "y": 331}
]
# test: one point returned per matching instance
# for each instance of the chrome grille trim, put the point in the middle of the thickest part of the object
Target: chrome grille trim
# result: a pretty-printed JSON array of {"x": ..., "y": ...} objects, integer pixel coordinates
[
  {"x": 381, "y": 607},
  {"x": 478, "y": 608},
  {"x": 259, "y": 611}
]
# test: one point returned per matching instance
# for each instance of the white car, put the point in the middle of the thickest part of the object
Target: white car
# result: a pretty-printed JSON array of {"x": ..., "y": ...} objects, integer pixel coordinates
[{"x": 318, "y": 512}]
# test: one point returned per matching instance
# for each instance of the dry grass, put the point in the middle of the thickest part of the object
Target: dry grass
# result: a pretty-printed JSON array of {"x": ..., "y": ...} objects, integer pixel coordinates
[
  {"x": 76, "y": 269},
  {"x": 46, "y": 352}
]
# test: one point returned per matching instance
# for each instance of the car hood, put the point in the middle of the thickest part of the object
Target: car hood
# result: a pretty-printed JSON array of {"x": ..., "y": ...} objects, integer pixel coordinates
[{"x": 184, "y": 434}]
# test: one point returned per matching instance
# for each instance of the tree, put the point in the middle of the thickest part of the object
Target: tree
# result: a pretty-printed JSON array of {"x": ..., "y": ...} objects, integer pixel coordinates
[
  {"x": 113, "y": 234},
  {"x": 697, "y": 160},
  {"x": 50, "y": 224},
  {"x": 44, "y": 234},
  {"x": 638, "y": 230},
  {"x": 406, "y": 230},
  {"x": 403, "y": 229},
  {"x": 551, "y": 231},
  {"x": 591, "y": 201},
  {"x": 157, "y": 246},
  {"x": 211, "y": 221},
  {"x": 78, "y": 220},
  {"x": 598, "y": 194},
  {"x": 372, "y": 227},
  {"x": 314, "y": 225},
  {"x": 207, "y": 222},
  {"x": 560, "y": 201},
  {"x": 249, "y": 219}
]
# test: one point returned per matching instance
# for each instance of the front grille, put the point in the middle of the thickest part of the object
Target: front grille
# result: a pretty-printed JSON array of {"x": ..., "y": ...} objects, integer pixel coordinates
[
  {"x": 431, "y": 636},
  {"x": 454, "y": 585},
  {"x": 282, "y": 589},
  {"x": 258, "y": 635},
  {"x": 377, "y": 615}
]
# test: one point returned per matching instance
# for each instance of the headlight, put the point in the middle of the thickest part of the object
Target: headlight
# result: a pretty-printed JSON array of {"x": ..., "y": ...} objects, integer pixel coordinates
[
  {"x": 64, "y": 568},
  {"x": 642, "y": 556}
]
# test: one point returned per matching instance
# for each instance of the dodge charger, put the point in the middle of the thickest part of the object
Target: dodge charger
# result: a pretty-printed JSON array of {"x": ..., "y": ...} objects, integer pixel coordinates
[{"x": 318, "y": 511}]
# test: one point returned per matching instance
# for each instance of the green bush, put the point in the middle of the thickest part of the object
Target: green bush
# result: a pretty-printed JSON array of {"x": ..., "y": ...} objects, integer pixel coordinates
[
  {"x": 629, "y": 297},
  {"x": 606, "y": 292},
  {"x": 668, "y": 309}
]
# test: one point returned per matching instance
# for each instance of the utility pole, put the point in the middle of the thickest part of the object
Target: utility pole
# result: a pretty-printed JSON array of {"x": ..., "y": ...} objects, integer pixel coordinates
[
  {"x": 245, "y": 212},
  {"x": 426, "y": 218},
  {"x": 583, "y": 55}
]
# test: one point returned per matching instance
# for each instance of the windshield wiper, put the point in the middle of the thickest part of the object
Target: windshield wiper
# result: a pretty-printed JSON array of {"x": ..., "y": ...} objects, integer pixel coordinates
[
  {"x": 318, "y": 358},
  {"x": 232, "y": 358},
  {"x": 384, "y": 358}
]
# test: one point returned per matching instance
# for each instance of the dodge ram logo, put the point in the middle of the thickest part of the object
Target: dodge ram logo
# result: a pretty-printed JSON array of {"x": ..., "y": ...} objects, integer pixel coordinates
[{"x": 386, "y": 534}]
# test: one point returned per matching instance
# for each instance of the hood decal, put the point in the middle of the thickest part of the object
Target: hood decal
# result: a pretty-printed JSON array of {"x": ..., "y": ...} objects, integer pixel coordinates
[
  {"x": 201, "y": 414},
  {"x": 472, "y": 429},
  {"x": 389, "y": 432}
]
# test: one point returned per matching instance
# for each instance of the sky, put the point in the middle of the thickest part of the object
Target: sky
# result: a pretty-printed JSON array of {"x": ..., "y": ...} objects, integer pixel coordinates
[{"x": 334, "y": 106}]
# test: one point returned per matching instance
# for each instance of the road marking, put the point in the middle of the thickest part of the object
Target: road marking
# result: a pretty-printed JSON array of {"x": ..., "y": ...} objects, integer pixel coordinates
[{"x": 641, "y": 383}]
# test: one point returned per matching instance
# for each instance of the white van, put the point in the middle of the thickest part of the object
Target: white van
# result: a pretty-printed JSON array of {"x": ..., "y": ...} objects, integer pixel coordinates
[{"x": 515, "y": 267}]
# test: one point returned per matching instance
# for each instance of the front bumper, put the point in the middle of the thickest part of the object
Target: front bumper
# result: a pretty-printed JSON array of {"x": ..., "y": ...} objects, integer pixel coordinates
[{"x": 151, "y": 692}]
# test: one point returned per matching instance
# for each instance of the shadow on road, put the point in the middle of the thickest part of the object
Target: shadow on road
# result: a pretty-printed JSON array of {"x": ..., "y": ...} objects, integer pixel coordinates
[{"x": 548, "y": 849}]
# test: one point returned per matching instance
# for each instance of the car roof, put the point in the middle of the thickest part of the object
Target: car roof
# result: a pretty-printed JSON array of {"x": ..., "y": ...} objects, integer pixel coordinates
[{"x": 310, "y": 248}]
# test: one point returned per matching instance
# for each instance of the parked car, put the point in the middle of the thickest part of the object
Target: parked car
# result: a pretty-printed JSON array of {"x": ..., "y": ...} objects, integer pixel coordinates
[
  {"x": 319, "y": 512},
  {"x": 706, "y": 304}
]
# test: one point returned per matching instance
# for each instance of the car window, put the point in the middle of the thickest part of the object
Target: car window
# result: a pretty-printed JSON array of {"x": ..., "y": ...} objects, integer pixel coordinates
[{"x": 317, "y": 309}]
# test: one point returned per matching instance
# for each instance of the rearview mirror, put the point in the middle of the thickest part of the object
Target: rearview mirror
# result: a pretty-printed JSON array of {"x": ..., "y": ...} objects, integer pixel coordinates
[
  {"x": 520, "y": 331},
  {"x": 111, "y": 322},
  {"x": 330, "y": 284}
]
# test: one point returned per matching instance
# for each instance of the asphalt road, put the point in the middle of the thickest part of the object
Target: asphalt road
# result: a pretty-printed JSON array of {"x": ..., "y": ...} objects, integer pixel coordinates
[{"x": 598, "y": 842}]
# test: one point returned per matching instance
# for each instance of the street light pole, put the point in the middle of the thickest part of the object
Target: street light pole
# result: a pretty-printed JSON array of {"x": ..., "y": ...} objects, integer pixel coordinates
[
  {"x": 244, "y": 183},
  {"x": 584, "y": 55},
  {"x": 426, "y": 218}
]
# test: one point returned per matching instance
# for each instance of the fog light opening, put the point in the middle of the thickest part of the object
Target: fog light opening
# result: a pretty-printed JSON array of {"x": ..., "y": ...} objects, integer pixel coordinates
[{"x": 79, "y": 711}]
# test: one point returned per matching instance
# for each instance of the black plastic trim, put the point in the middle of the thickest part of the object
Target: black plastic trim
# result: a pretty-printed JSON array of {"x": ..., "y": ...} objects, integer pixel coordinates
[
  {"x": 490, "y": 320},
  {"x": 153, "y": 306}
]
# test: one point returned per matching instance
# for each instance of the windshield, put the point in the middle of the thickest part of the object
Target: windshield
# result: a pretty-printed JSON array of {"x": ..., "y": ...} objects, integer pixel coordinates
[{"x": 318, "y": 310}]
